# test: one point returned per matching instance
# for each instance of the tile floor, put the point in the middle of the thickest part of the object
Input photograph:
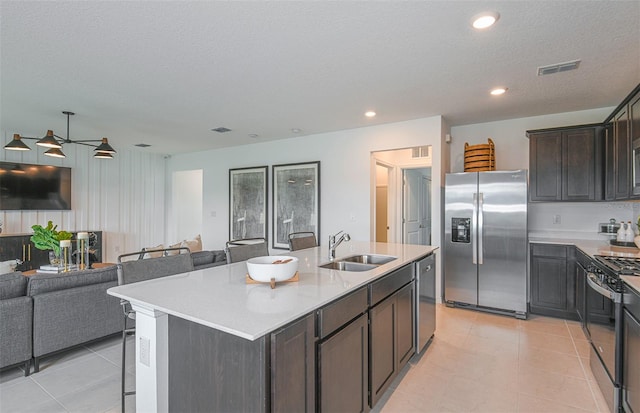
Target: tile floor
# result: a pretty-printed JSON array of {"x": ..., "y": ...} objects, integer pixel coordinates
[{"x": 476, "y": 363}]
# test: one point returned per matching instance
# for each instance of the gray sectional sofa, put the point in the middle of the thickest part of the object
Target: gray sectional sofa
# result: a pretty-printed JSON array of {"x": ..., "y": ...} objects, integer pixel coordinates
[
  {"x": 45, "y": 313},
  {"x": 16, "y": 321},
  {"x": 72, "y": 308}
]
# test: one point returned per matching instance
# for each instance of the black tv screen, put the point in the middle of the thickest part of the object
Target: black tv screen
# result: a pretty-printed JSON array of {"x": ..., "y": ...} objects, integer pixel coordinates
[{"x": 30, "y": 187}]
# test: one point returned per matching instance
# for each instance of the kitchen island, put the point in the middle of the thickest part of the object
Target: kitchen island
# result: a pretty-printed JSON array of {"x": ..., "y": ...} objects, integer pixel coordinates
[{"x": 208, "y": 340}]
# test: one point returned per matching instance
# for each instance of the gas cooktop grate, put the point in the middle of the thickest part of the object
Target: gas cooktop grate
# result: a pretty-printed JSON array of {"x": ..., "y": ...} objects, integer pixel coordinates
[{"x": 620, "y": 265}]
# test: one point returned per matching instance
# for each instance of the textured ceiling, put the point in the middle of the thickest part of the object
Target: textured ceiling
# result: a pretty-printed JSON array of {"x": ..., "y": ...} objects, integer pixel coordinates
[{"x": 166, "y": 73}]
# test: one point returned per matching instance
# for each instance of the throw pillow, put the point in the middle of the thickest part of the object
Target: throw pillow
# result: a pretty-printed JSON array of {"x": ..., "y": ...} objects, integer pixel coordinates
[
  {"x": 176, "y": 245},
  {"x": 194, "y": 245},
  {"x": 156, "y": 254}
]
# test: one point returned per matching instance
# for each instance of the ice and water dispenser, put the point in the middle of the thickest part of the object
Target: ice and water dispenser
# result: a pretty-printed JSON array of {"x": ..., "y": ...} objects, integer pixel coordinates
[{"x": 461, "y": 230}]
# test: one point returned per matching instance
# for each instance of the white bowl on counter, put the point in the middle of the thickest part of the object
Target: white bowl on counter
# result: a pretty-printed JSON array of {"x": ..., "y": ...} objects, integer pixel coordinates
[{"x": 277, "y": 267}]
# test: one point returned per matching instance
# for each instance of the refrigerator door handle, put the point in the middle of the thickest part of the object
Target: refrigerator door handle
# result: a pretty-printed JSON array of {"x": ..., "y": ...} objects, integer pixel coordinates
[
  {"x": 474, "y": 229},
  {"x": 480, "y": 225}
]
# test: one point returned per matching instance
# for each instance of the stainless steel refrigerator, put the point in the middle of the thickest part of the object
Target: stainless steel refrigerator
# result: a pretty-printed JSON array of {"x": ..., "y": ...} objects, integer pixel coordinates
[{"x": 485, "y": 241}]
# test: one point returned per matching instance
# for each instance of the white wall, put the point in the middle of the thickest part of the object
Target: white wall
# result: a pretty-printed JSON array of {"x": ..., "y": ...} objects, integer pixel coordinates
[
  {"x": 124, "y": 197},
  {"x": 345, "y": 174},
  {"x": 185, "y": 220}
]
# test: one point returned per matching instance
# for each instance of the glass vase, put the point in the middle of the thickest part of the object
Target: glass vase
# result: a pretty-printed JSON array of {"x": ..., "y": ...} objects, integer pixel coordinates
[{"x": 54, "y": 259}]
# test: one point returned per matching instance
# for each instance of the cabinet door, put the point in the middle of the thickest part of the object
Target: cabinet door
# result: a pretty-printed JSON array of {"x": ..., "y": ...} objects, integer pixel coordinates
[
  {"x": 552, "y": 281},
  {"x": 631, "y": 364},
  {"x": 293, "y": 367},
  {"x": 579, "y": 165},
  {"x": 622, "y": 145},
  {"x": 634, "y": 137},
  {"x": 343, "y": 365},
  {"x": 405, "y": 324},
  {"x": 11, "y": 248},
  {"x": 610, "y": 168},
  {"x": 383, "y": 343},
  {"x": 581, "y": 278},
  {"x": 545, "y": 166}
]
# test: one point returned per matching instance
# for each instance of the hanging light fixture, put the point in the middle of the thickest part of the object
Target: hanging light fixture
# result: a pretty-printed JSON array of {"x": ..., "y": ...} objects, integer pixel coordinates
[
  {"x": 16, "y": 144},
  {"x": 55, "y": 142}
]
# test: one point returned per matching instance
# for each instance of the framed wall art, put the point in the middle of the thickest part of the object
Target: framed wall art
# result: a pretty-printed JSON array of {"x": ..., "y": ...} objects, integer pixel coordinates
[
  {"x": 248, "y": 202},
  {"x": 296, "y": 201}
]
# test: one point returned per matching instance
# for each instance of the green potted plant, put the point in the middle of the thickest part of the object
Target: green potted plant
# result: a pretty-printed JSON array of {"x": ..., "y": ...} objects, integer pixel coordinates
[{"x": 48, "y": 238}]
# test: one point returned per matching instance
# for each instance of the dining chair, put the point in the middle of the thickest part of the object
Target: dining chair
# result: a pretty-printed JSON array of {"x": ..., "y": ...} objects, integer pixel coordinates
[
  {"x": 132, "y": 268},
  {"x": 302, "y": 240},
  {"x": 243, "y": 249}
]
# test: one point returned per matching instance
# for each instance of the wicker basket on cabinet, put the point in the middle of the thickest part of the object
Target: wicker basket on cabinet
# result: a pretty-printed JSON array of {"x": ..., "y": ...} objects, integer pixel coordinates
[{"x": 479, "y": 158}]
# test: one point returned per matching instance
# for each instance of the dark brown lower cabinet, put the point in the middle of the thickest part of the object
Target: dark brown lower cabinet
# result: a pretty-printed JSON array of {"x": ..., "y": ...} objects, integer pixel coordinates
[
  {"x": 391, "y": 338},
  {"x": 343, "y": 365},
  {"x": 552, "y": 281},
  {"x": 293, "y": 367}
]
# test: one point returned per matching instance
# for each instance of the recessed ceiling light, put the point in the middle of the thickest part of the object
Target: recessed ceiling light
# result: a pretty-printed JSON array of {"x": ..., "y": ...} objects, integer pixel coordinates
[
  {"x": 296, "y": 130},
  {"x": 484, "y": 20},
  {"x": 498, "y": 91},
  {"x": 253, "y": 135},
  {"x": 370, "y": 114}
]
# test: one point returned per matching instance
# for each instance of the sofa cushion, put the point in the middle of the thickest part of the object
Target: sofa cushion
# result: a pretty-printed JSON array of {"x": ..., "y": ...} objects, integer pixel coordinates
[
  {"x": 219, "y": 256},
  {"x": 42, "y": 283},
  {"x": 12, "y": 285},
  {"x": 202, "y": 258}
]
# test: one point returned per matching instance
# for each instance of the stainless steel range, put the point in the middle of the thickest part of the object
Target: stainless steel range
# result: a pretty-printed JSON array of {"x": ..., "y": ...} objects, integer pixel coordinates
[{"x": 604, "y": 321}]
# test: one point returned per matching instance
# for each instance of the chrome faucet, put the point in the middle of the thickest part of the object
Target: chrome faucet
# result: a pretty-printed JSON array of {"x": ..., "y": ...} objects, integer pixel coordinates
[{"x": 333, "y": 243}]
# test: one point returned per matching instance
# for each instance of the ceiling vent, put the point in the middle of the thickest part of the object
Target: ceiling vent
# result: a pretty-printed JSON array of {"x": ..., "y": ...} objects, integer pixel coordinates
[
  {"x": 221, "y": 129},
  {"x": 142, "y": 145},
  {"x": 558, "y": 67}
]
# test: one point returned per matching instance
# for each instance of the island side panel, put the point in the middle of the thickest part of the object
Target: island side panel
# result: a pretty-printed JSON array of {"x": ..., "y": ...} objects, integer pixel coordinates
[{"x": 213, "y": 371}]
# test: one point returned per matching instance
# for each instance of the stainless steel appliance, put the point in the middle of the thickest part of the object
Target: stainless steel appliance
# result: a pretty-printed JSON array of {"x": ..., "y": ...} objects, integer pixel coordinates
[
  {"x": 485, "y": 245},
  {"x": 605, "y": 322},
  {"x": 426, "y": 301}
]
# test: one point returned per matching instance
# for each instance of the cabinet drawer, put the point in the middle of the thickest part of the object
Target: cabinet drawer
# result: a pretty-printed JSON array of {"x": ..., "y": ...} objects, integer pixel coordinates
[
  {"x": 340, "y": 312},
  {"x": 383, "y": 288},
  {"x": 549, "y": 250},
  {"x": 632, "y": 302}
]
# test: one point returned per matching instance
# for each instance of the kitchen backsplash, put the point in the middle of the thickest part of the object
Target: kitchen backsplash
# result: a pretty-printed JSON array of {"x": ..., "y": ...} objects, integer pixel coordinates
[{"x": 577, "y": 219}]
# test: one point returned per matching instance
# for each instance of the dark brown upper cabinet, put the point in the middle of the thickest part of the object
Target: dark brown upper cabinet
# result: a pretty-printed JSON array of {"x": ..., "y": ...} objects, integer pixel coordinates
[
  {"x": 622, "y": 150},
  {"x": 566, "y": 164}
]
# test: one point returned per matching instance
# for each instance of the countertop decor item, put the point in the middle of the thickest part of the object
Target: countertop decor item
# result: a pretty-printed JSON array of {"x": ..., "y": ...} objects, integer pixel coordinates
[
  {"x": 55, "y": 142},
  {"x": 48, "y": 238},
  {"x": 272, "y": 268}
]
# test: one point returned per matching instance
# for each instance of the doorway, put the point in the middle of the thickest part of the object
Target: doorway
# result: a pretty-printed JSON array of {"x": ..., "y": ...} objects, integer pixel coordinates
[{"x": 401, "y": 196}]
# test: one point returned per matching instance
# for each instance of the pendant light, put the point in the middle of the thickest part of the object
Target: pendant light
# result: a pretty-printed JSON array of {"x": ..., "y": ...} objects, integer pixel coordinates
[{"x": 55, "y": 142}]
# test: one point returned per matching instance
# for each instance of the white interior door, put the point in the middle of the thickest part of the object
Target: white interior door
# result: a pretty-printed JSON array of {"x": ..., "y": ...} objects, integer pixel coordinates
[
  {"x": 416, "y": 206},
  {"x": 412, "y": 231},
  {"x": 425, "y": 210}
]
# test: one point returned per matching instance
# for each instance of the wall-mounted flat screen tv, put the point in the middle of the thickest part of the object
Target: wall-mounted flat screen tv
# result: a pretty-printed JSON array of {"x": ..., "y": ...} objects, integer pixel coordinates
[{"x": 34, "y": 187}]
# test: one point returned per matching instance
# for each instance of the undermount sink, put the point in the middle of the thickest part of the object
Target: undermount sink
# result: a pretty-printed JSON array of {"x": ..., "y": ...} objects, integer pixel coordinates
[
  {"x": 369, "y": 259},
  {"x": 348, "y": 266},
  {"x": 364, "y": 262}
]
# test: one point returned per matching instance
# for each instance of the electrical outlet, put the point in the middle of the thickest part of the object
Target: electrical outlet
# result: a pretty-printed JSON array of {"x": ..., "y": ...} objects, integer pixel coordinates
[
  {"x": 556, "y": 219},
  {"x": 145, "y": 351}
]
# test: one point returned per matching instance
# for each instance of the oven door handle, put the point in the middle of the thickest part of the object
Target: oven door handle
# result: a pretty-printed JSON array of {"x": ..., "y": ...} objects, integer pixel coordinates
[{"x": 612, "y": 295}]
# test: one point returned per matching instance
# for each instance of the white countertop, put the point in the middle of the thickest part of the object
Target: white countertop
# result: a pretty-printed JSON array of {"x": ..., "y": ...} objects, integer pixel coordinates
[
  {"x": 220, "y": 298},
  {"x": 632, "y": 281}
]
